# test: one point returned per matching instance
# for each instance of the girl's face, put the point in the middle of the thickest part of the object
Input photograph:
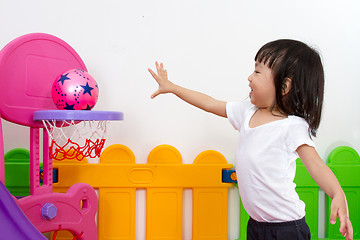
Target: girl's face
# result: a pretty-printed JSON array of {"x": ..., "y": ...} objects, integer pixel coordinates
[{"x": 262, "y": 86}]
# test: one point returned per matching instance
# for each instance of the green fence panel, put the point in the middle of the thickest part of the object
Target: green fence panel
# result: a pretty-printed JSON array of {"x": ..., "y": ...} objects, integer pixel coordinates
[
  {"x": 308, "y": 191},
  {"x": 345, "y": 163},
  {"x": 244, "y": 218},
  {"x": 17, "y": 171}
]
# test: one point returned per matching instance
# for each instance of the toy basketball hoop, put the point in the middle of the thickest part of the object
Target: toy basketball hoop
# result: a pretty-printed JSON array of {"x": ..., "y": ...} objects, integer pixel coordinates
[{"x": 76, "y": 134}]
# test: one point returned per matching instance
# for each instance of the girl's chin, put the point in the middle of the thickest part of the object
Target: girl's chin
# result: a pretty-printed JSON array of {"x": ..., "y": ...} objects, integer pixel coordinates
[{"x": 252, "y": 100}]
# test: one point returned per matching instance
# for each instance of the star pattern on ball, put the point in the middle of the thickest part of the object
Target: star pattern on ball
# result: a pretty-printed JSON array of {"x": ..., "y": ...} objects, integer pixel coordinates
[
  {"x": 75, "y": 90},
  {"x": 88, "y": 107},
  {"x": 69, "y": 107},
  {"x": 63, "y": 78},
  {"x": 87, "y": 89}
]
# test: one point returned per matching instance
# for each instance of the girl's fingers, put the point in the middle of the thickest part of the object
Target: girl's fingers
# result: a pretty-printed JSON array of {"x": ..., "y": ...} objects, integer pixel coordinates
[
  {"x": 342, "y": 229},
  {"x": 158, "y": 68},
  {"x": 155, "y": 94},
  {"x": 348, "y": 229},
  {"x": 333, "y": 215},
  {"x": 161, "y": 72},
  {"x": 162, "y": 75},
  {"x": 153, "y": 74}
]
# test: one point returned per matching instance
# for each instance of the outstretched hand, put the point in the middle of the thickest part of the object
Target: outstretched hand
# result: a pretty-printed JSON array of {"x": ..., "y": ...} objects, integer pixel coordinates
[
  {"x": 337, "y": 209},
  {"x": 194, "y": 98},
  {"x": 162, "y": 79}
]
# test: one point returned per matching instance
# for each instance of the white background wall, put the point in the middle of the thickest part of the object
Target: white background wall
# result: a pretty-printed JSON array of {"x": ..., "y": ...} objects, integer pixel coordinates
[{"x": 206, "y": 45}]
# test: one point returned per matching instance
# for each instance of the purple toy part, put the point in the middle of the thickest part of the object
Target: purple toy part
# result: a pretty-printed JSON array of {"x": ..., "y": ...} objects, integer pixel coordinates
[
  {"x": 75, "y": 89},
  {"x": 15, "y": 225},
  {"x": 48, "y": 211},
  {"x": 77, "y": 115},
  {"x": 28, "y": 67}
]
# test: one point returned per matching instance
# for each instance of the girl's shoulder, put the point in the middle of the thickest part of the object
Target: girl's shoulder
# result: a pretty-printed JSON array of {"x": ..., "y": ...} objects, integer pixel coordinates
[
  {"x": 238, "y": 112},
  {"x": 297, "y": 121},
  {"x": 297, "y": 133},
  {"x": 241, "y": 105}
]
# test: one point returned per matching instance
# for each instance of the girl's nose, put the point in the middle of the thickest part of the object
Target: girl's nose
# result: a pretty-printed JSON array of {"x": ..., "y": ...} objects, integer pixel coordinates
[{"x": 249, "y": 78}]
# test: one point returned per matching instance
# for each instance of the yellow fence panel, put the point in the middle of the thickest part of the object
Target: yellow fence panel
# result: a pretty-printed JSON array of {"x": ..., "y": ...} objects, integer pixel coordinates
[
  {"x": 116, "y": 216},
  {"x": 164, "y": 205},
  {"x": 210, "y": 204},
  {"x": 164, "y": 177}
]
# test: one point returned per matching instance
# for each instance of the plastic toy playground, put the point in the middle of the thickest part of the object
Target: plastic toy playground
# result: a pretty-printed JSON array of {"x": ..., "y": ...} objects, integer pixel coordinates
[
  {"x": 59, "y": 196},
  {"x": 26, "y": 65}
]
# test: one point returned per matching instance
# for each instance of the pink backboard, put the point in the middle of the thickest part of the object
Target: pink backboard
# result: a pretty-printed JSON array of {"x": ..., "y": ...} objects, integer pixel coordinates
[{"x": 28, "y": 67}]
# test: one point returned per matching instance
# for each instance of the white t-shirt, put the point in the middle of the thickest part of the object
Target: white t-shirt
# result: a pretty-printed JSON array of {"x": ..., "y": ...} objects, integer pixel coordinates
[{"x": 265, "y": 164}]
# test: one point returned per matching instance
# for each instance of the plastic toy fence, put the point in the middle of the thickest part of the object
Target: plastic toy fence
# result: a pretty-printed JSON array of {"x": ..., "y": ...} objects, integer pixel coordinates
[{"x": 117, "y": 177}]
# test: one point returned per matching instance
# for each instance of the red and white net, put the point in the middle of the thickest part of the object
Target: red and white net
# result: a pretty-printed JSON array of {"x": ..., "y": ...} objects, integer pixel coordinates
[{"x": 75, "y": 139}]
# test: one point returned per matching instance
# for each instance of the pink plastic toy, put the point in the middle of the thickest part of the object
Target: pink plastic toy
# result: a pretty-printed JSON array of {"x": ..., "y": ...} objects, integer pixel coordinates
[
  {"x": 75, "y": 89},
  {"x": 27, "y": 66}
]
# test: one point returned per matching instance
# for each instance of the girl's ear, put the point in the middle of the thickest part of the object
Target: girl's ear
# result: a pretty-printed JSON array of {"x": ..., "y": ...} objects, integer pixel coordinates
[{"x": 286, "y": 86}]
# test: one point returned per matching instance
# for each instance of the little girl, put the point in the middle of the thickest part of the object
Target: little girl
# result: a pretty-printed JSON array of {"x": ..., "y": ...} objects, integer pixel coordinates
[{"x": 275, "y": 127}]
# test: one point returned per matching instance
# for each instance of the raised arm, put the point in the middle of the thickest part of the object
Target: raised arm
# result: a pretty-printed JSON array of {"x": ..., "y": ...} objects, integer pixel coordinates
[
  {"x": 194, "y": 98},
  {"x": 327, "y": 181}
]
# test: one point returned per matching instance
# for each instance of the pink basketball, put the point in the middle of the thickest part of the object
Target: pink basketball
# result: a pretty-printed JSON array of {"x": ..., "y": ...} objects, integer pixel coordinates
[{"x": 75, "y": 90}]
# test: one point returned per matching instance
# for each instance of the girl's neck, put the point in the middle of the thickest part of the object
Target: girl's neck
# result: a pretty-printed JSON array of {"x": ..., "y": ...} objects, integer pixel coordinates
[
  {"x": 265, "y": 115},
  {"x": 274, "y": 111}
]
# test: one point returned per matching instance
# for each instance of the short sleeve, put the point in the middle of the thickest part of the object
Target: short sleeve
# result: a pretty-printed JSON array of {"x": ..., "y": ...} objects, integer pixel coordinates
[
  {"x": 298, "y": 134},
  {"x": 236, "y": 111}
]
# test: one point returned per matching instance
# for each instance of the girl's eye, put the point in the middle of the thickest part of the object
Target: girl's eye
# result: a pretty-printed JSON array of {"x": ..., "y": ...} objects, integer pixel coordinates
[{"x": 256, "y": 71}]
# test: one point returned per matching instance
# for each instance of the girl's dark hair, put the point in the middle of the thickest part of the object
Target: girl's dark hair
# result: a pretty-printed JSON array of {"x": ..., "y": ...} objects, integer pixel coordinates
[{"x": 302, "y": 64}]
